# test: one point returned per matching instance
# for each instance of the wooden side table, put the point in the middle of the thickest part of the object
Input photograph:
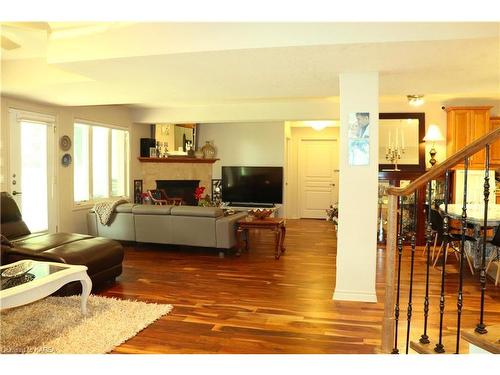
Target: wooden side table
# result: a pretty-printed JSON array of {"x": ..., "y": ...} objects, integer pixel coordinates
[{"x": 276, "y": 224}]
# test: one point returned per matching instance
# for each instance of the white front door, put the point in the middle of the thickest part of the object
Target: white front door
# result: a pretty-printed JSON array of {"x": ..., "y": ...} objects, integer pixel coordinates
[
  {"x": 31, "y": 179},
  {"x": 318, "y": 176}
]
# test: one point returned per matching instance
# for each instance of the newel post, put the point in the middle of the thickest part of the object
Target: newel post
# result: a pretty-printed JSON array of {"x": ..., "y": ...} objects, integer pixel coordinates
[{"x": 390, "y": 259}]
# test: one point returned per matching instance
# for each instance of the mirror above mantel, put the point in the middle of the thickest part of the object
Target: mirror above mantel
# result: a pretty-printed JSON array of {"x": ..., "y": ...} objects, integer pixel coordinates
[
  {"x": 178, "y": 137},
  {"x": 403, "y": 133}
]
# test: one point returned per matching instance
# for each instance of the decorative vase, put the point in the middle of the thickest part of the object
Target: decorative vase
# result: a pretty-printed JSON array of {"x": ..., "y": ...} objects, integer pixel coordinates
[
  {"x": 208, "y": 151},
  {"x": 198, "y": 154}
]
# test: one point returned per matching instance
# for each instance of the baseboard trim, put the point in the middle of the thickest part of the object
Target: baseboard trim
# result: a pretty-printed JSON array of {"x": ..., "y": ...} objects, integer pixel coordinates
[{"x": 343, "y": 295}]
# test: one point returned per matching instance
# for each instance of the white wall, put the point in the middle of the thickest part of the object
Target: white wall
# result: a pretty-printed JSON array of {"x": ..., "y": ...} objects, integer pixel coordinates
[
  {"x": 245, "y": 143},
  {"x": 70, "y": 219},
  {"x": 252, "y": 144},
  {"x": 358, "y": 192}
]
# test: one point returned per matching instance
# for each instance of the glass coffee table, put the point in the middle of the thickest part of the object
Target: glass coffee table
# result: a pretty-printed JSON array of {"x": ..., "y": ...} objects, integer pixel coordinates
[{"x": 43, "y": 279}]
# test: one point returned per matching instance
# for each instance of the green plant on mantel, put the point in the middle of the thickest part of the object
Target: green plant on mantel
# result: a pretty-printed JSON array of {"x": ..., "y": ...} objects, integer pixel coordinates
[{"x": 205, "y": 201}]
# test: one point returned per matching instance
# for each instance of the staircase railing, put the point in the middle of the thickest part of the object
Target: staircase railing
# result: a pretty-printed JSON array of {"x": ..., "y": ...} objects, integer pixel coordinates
[{"x": 395, "y": 250}]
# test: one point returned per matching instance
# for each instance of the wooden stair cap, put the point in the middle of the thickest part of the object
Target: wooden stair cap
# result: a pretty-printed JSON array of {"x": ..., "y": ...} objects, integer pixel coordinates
[
  {"x": 489, "y": 341},
  {"x": 449, "y": 343}
]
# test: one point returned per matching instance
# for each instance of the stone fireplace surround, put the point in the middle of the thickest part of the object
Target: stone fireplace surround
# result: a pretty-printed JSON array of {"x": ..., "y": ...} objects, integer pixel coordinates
[{"x": 152, "y": 172}]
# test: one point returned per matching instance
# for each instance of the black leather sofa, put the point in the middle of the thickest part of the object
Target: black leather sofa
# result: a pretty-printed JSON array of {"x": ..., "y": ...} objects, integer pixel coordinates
[{"x": 102, "y": 256}]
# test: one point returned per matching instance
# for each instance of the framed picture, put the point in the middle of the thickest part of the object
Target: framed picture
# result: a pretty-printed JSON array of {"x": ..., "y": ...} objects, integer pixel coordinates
[
  {"x": 138, "y": 191},
  {"x": 359, "y": 138}
]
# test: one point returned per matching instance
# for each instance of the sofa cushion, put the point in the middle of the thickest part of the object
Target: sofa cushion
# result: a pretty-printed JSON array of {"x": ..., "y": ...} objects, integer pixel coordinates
[
  {"x": 10, "y": 211},
  {"x": 124, "y": 208},
  {"x": 5, "y": 241},
  {"x": 97, "y": 253},
  {"x": 12, "y": 222},
  {"x": 15, "y": 229},
  {"x": 48, "y": 241},
  {"x": 197, "y": 211},
  {"x": 148, "y": 209}
]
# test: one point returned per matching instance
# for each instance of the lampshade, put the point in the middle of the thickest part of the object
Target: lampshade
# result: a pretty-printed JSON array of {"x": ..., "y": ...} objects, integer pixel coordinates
[{"x": 433, "y": 134}]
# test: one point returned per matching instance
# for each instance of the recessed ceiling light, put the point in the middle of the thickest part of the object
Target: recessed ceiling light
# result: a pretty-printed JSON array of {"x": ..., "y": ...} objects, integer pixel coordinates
[
  {"x": 415, "y": 100},
  {"x": 319, "y": 125}
]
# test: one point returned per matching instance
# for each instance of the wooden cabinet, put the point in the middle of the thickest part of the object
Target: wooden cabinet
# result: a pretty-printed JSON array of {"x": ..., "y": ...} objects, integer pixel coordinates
[
  {"x": 495, "y": 147},
  {"x": 464, "y": 125}
]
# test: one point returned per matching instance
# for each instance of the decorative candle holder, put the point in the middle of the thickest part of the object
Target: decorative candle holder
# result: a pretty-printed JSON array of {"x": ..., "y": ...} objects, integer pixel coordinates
[{"x": 393, "y": 154}]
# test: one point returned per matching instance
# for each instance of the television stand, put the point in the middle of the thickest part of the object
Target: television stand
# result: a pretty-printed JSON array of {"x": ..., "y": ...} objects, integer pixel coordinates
[{"x": 251, "y": 205}]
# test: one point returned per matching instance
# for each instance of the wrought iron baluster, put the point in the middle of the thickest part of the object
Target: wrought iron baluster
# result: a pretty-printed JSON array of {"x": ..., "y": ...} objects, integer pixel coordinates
[
  {"x": 424, "y": 339},
  {"x": 462, "y": 258},
  {"x": 395, "y": 350},
  {"x": 439, "y": 346},
  {"x": 410, "y": 293},
  {"x": 481, "y": 327}
]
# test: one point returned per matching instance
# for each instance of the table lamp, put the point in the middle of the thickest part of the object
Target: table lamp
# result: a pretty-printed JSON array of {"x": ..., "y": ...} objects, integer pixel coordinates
[{"x": 433, "y": 135}]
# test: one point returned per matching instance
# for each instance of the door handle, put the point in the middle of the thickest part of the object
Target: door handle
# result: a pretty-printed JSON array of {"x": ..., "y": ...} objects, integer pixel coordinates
[
  {"x": 332, "y": 184},
  {"x": 16, "y": 192}
]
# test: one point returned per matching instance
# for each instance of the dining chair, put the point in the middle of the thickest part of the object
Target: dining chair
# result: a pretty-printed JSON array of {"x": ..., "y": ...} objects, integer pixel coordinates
[
  {"x": 436, "y": 226},
  {"x": 437, "y": 221},
  {"x": 495, "y": 255}
]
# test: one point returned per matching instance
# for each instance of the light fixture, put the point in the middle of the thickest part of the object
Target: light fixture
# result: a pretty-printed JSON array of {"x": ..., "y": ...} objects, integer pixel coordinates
[
  {"x": 319, "y": 125},
  {"x": 415, "y": 100},
  {"x": 433, "y": 135}
]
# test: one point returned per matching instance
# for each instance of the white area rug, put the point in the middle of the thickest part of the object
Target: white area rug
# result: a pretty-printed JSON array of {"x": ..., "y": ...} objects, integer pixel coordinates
[{"x": 56, "y": 325}]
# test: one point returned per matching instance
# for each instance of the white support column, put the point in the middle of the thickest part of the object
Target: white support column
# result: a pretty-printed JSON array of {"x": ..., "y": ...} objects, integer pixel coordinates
[{"x": 358, "y": 195}]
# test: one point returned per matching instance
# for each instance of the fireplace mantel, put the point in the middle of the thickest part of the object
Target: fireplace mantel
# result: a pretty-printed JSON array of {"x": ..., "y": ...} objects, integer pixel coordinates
[{"x": 173, "y": 159}]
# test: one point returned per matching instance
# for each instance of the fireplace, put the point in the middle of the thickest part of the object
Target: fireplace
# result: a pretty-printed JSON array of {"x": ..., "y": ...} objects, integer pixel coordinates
[{"x": 180, "y": 188}]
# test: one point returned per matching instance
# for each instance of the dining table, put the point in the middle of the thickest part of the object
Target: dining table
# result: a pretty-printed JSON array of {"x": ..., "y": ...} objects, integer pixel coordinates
[{"x": 475, "y": 219}]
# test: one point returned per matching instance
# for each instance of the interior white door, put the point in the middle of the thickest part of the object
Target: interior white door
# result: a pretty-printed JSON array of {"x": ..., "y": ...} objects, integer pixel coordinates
[
  {"x": 318, "y": 176},
  {"x": 31, "y": 179}
]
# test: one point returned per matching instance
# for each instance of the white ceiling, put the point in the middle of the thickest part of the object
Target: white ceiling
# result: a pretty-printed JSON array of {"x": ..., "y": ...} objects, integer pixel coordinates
[{"x": 158, "y": 65}]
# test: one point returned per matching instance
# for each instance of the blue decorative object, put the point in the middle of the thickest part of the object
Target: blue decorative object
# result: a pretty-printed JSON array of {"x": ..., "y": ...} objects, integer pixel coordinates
[{"x": 66, "y": 160}]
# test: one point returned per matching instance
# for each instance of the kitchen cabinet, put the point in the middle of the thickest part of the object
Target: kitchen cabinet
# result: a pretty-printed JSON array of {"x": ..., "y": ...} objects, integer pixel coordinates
[{"x": 464, "y": 125}]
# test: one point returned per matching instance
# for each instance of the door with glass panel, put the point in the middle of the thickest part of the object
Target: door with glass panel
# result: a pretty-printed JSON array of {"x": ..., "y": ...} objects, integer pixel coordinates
[{"x": 31, "y": 179}]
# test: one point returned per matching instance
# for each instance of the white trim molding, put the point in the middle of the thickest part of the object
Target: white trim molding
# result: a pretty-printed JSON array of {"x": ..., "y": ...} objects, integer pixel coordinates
[
  {"x": 22, "y": 115},
  {"x": 350, "y": 295}
]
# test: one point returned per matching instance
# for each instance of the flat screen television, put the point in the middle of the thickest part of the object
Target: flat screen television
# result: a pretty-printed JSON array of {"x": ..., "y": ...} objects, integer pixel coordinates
[{"x": 255, "y": 185}]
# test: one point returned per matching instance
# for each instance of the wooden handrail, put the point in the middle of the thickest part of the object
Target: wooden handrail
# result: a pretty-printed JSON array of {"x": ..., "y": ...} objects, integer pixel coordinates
[
  {"x": 392, "y": 225},
  {"x": 439, "y": 169}
]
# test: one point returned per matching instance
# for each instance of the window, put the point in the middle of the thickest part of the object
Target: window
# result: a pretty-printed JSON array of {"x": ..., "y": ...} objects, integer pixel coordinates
[
  {"x": 81, "y": 166},
  {"x": 100, "y": 153},
  {"x": 101, "y": 162}
]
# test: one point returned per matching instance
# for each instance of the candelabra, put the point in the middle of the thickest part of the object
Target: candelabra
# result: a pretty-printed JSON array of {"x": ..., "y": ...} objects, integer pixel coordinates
[{"x": 393, "y": 154}]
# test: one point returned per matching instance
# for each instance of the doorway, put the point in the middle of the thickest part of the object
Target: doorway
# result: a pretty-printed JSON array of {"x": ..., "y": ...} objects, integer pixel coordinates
[
  {"x": 32, "y": 169},
  {"x": 318, "y": 176}
]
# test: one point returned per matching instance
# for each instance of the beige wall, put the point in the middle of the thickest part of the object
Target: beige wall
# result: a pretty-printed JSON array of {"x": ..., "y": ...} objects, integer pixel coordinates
[
  {"x": 245, "y": 144},
  {"x": 358, "y": 195},
  {"x": 293, "y": 135},
  {"x": 70, "y": 219}
]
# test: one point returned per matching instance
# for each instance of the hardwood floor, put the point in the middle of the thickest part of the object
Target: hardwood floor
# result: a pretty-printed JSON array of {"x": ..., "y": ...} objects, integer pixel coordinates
[{"x": 256, "y": 304}]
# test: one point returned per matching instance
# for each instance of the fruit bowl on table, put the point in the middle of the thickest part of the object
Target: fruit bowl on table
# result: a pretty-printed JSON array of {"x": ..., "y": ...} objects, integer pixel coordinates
[{"x": 260, "y": 213}]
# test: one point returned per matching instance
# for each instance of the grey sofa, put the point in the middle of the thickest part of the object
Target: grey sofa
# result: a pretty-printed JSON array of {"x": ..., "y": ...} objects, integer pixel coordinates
[{"x": 176, "y": 225}]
